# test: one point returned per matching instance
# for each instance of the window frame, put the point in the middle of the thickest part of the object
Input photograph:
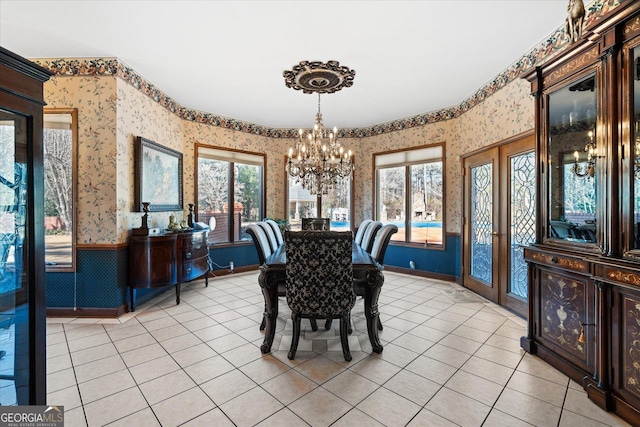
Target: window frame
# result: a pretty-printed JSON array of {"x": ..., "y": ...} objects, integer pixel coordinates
[
  {"x": 411, "y": 157},
  {"x": 318, "y": 212},
  {"x": 232, "y": 156},
  {"x": 73, "y": 112}
]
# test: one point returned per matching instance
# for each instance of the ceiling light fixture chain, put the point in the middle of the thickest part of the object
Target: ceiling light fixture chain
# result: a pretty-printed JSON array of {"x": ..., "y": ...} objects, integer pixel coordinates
[{"x": 318, "y": 160}]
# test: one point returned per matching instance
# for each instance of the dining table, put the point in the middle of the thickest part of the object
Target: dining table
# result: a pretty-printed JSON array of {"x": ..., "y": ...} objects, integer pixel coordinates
[{"x": 367, "y": 279}]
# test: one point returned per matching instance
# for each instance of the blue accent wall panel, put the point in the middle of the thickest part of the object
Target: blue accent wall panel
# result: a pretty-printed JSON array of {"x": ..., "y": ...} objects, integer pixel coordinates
[
  {"x": 240, "y": 255},
  {"x": 100, "y": 281},
  {"x": 427, "y": 259}
]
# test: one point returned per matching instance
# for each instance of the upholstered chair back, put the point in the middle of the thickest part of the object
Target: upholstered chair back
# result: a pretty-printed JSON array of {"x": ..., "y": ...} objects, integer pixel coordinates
[
  {"x": 271, "y": 237},
  {"x": 370, "y": 235},
  {"x": 319, "y": 273},
  {"x": 316, "y": 224},
  {"x": 261, "y": 242},
  {"x": 276, "y": 230},
  {"x": 383, "y": 236},
  {"x": 361, "y": 230}
]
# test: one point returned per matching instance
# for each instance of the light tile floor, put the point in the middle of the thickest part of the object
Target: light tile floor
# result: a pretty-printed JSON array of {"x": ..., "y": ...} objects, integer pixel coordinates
[{"x": 450, "y": 358}]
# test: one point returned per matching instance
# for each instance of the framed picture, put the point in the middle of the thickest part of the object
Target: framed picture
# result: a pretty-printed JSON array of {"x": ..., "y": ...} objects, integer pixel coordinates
[{"x": 158, "y": 177}]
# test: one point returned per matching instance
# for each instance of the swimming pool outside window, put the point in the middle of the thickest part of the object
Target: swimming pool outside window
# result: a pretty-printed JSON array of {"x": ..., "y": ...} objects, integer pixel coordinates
[{"x": 409, "y": 188}]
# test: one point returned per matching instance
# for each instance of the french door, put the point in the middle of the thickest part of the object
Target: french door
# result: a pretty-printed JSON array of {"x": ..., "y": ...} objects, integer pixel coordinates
[{"x": 499, "y": 220}]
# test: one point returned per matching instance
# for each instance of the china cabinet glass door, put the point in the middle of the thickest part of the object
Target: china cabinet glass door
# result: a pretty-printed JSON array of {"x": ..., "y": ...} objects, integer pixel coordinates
[
  {"x": 573, "y": 158},
  {"x": 14, "y": 282},
  {"x": 635, "y": 138}
]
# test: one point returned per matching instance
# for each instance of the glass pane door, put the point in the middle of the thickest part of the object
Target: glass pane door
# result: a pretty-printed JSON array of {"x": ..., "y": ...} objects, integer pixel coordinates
[
  {"x": 523, "y": 220},
  {"x": 518, "y": 221},
  {"x": 482, "y": 222},
  {"x": 500, "y": 203}
]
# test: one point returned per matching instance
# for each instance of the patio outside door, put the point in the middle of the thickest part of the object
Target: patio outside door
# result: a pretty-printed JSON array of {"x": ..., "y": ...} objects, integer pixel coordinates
[{"x": 499, "y": 219}]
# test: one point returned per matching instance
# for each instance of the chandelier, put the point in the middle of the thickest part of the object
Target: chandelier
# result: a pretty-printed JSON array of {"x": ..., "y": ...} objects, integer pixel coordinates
[
  {"x": 590, "y": 168},
  {"x": 318, "y": 160}
]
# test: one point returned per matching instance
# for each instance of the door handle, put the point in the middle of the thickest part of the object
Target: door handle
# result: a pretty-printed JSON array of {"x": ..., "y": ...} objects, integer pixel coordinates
[{"x": 495, "y": 233}]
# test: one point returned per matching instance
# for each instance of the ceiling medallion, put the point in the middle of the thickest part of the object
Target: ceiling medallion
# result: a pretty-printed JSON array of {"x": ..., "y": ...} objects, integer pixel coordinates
[
  {"x": 319, "y": 77},
  {"x": 318, "y": 161}
]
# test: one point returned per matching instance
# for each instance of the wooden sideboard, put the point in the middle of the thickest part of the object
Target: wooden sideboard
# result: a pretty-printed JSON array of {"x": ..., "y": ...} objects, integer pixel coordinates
[{"x": 168, "y": 259}]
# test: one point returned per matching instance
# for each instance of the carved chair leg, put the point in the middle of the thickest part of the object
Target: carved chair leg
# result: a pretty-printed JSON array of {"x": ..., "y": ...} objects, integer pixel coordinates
[
  {"x": 264, "y": 323},
  {"x": 379, "y": 323},
  {"x": 296, "y": 336},
  {"x": 314, "y": 324},
  {"x": 327, "y": 324},
  {"x": 344, "y": 337}
]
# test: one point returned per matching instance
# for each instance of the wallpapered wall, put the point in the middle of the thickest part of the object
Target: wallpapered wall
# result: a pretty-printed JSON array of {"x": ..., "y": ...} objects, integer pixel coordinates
[
  {"x": 96, "y": 101},
  {"x": 111, "y": 113},
  {"x": 113, "y": 110}
]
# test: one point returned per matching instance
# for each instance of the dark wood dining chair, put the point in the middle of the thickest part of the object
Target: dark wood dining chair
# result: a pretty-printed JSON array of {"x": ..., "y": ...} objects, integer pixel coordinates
[{"x": 319, "y": 280}]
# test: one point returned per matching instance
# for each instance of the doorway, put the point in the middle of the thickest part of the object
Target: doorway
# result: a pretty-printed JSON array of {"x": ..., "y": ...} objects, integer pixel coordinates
[{"x": 499, "y": 220}]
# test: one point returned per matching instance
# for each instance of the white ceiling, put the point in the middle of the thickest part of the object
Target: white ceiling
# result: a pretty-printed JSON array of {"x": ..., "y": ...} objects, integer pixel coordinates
[{"x": 227, "y": 57}]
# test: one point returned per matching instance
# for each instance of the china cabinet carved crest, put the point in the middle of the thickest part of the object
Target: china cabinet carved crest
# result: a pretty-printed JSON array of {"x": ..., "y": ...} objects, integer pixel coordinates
[{"x": 584, "y": 269}]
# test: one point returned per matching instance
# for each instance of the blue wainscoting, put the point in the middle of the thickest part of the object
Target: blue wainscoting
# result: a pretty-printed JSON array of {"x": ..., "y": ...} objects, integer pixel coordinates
[
  {"x": 100, "y": 281},
  {"x": 428, "y": 259},
  {"x": 102, "y": 275},
  {"x": 241, "y": 255}
]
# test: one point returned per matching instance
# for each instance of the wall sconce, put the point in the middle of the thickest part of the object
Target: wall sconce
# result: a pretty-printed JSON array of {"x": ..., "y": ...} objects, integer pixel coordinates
[{"x": 590, "y": 169}]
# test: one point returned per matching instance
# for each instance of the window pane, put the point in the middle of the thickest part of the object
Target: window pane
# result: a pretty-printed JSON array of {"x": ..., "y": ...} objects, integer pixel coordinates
[
  {"x": 59, "y": 207},
  {"x": 213, "y": 197},
  {"x": 301, "y": 204},
  {"x": 391, "y": 199},
  {"x": 58, "y": 200},
  {"x": 248, "y": 198},
  {"x": 426, "y": 203},
  {"x": 336, "y": 205}
]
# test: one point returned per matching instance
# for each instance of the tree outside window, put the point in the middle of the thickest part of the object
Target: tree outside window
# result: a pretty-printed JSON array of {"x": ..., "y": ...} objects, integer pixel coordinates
[
  {"x": 409, "y": 194},
  {"x": 230, "y": 186}
]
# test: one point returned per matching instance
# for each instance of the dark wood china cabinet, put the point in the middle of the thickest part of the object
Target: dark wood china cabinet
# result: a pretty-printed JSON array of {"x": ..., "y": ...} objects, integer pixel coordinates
[{"x": 584, "y": 269}]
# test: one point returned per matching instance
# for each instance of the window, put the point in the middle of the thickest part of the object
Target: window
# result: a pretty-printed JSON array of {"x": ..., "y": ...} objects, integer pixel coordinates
[
  {"x": 409, "y": 193},
  {"x": 230, "y": 191},
  {"x": 60, "y": 138},
  {"x": 335, "y": 205}
]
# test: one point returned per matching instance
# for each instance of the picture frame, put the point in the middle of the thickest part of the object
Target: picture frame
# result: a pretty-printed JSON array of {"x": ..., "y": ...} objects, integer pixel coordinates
[{"x": 158, "y": 177}]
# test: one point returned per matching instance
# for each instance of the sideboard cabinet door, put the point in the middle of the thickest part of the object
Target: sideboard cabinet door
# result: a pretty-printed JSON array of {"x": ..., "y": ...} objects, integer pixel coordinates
[
  {"x": 563, "y": 302},
  {"x": 625, "y": 337}
]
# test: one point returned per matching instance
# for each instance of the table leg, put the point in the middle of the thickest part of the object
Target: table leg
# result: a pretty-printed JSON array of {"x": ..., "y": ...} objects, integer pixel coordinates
[
  {"x": 375, "y": 280},
  {"x": 269, "y": 287}
]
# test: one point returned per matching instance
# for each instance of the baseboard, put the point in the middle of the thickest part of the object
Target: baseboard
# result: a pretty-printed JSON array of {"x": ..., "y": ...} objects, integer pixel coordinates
[
  {"x": 98, "y": 312},
  {"x": 226, "y": 272},
  {"x": 422, "y": 273}
]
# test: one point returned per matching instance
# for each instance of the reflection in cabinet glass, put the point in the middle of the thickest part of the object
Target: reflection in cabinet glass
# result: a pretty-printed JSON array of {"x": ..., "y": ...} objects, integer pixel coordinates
[
  {"x": 572, "y": 161},
  {"x": 636, "y": 138}
]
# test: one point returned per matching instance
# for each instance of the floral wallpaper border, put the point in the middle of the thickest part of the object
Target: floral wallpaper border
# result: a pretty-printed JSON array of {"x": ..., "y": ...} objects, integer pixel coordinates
[{"x": 548, "y": 49}]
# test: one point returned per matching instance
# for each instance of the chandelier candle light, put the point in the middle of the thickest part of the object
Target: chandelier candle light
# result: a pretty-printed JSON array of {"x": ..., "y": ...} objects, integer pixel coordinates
[
  {"x": 590, "y": 168},
  {"x": 318, "y": 159}
]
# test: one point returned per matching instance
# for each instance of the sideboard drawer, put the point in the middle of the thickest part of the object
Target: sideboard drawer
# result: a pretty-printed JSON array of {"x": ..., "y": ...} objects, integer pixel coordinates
[
  {"x": 193, "y": 269},
  {"x": 564, "y": 262}
]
